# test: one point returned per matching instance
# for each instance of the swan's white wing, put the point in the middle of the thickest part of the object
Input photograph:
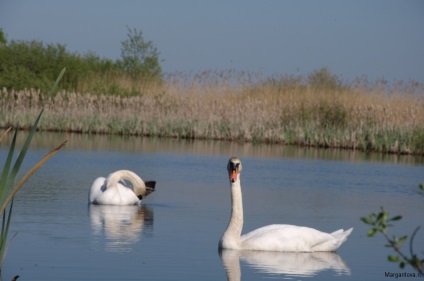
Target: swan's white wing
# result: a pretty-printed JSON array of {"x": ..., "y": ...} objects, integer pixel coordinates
[
  {"x": 118, "y": 194},
  {"x": 96, "y": 190},
  {"x": 289, "y": 238}
]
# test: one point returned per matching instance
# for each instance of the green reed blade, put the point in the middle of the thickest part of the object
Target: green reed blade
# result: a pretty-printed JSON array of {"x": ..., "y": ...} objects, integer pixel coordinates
[
  {"x": 3, "y": 229},
  {"x": 29, "y": 174},
  {"x": 8, "y": 179},
  {"x": 5, "y": 133},
  {"x": 4, "y": 233},
  {"x": 53, "y": 89},
  {"x": 4, "y": 188},
  {"x": 6, "y": 248},
  {"x": 23, "y": 152}
]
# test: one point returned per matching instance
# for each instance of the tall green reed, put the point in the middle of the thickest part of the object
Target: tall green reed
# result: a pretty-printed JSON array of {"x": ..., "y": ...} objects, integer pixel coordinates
[{"x": 8, "y": 187}]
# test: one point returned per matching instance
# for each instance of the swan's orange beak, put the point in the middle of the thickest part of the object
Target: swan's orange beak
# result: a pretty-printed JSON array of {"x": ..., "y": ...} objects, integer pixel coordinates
[{"x": 233, "y": 175}]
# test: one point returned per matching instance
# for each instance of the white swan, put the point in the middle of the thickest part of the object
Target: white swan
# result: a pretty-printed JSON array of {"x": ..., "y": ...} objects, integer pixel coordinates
[
  {"x": 276, "y": 237},
  {"x": 115, "y": 190}
]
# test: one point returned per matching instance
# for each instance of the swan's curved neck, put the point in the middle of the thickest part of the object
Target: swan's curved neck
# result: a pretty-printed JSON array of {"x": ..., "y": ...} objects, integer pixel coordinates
[
  {"x": 231, "y": 236},
  {"x": 136, "y": 181}
]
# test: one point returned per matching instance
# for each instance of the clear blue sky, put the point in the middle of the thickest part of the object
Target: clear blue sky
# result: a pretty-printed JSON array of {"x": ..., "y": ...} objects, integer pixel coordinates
[{"x": 378, "y": 39}]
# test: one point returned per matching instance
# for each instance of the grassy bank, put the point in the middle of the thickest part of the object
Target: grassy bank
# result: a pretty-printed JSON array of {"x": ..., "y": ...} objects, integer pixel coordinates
[{"x": 224, "y": 106}]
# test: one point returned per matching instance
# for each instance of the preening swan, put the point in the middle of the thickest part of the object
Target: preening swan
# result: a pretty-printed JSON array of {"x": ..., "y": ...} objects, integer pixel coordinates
[
  {"x": 276, "y": 237},
  {"x": 115, "y": 190}
]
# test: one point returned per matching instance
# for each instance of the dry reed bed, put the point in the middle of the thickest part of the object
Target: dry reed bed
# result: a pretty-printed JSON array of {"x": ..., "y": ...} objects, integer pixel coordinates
[{"x": 351, "y": 118}]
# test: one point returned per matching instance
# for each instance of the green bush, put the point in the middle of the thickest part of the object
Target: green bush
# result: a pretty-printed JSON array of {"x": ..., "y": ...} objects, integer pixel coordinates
[
  {"x": 33, "y": 64},
  {"x": 323, "y": 79},
  {"x": 332, "y": 115}
]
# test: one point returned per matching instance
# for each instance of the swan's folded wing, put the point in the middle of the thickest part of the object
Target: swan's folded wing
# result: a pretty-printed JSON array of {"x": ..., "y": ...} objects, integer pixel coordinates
[
  {"x": 338, "y": 238},
  {"x": 286, "y": 238},
  {"x": 96, "y": 190}
]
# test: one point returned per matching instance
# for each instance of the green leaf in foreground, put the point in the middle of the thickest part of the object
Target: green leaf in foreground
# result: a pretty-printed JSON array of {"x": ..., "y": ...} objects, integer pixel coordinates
[
  {"x": 379, "y": 223},
  {"x": 9, "y": 173},
  {"x": 392, "y": 258}
]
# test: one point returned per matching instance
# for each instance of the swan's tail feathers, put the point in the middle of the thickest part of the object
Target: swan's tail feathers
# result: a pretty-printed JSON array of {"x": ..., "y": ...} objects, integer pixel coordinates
[
  {"x": 338, "y": 238},
  {"x": 341, "y": 236},
  {"x": 337, "y": 232}
]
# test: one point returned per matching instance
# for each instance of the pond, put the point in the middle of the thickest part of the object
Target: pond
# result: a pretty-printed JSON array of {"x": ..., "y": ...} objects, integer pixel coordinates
[{"x": 174, "y": 234}]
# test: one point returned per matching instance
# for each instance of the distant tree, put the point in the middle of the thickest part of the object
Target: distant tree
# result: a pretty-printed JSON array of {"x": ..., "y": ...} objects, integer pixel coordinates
[
  {"x": 3, "y": 39},
  {"x": 140, "y": 58},
  {"x": 322, "y": 79}
]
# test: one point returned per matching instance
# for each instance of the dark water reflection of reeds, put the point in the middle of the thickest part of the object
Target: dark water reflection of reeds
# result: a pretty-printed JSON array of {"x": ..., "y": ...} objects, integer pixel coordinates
[{"x": 46, "y": 140}]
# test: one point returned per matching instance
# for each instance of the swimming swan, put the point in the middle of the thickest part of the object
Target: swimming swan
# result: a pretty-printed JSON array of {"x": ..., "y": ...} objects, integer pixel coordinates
[
  {"x": 115, "y": 190},
  {"x": 276, "y": 237}
]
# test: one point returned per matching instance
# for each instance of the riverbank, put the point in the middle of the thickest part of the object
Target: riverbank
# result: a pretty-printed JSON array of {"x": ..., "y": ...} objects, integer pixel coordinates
[{"x": 354, "y": 117}]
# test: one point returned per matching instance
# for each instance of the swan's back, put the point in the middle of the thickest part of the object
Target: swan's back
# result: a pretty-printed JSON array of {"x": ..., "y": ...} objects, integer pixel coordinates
[
  {"x": 291, "y": 238},
  {"x": 115, "y": 195},
  {"x": 118, "y": 195}
]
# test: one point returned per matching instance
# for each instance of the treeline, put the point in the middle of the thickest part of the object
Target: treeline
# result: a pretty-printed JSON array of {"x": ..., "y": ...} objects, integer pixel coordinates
[{"x": 35, "y": 65}]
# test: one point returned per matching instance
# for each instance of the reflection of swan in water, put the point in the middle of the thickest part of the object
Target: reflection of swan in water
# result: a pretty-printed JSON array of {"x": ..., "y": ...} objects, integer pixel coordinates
[
  {"x": 276, "y": 237},
  {"x": 283, "y": 263},
  {"x": 122, "y": 187},
  {"x": 122, "y": 226}
]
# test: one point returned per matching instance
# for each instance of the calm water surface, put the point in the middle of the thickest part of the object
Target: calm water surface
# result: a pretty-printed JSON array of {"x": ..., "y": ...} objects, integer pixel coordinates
[{"x": 174, "y": 234}]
